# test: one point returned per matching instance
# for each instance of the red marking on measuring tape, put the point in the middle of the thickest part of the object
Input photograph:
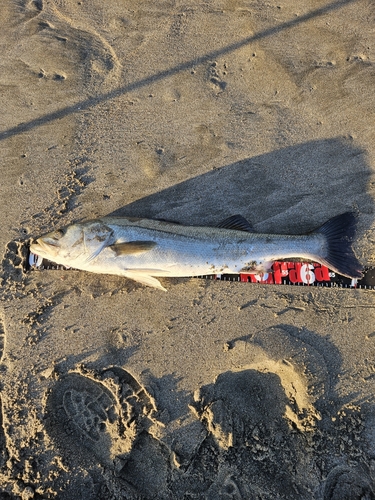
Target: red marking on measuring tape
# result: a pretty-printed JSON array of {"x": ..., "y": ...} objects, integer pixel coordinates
[
  {"x": 295, "y": 272},
  {"x": 302, "y": 274}
]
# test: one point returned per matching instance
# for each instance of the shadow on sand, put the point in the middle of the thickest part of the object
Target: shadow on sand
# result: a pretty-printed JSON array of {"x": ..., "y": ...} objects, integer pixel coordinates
[{"x": 290, "y": 190}]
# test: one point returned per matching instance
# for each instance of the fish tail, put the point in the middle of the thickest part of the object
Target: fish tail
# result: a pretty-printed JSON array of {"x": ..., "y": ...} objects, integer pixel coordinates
[{"x": 339, "y": 233}]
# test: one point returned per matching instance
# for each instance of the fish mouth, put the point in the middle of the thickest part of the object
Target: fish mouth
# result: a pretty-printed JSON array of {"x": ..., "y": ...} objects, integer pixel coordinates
[{"x": 44, "y": 248}]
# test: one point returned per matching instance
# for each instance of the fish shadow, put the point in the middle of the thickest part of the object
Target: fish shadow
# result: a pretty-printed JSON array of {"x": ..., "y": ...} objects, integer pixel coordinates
[{"x": 291, "y": 190}]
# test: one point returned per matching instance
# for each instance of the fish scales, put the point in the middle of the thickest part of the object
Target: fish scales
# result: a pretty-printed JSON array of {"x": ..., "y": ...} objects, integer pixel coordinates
[{"x": 189, "y": 251}]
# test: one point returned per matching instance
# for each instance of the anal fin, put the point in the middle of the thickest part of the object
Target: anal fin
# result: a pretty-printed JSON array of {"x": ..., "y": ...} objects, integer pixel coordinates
[{"x": 145, "y": 279}]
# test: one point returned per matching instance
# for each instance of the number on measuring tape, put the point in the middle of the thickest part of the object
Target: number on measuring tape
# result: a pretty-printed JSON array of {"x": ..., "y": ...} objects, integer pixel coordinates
[{"x": 307, "y": 274}]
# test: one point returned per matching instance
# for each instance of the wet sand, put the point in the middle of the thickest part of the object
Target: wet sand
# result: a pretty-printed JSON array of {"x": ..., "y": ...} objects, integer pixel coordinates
[{"x": 190, "y": 112}]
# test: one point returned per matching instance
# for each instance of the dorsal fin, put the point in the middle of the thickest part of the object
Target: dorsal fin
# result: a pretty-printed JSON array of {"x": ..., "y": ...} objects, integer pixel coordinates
[
  {"x": 132, "y": 247},
  {"x": 237, "y": 222}
]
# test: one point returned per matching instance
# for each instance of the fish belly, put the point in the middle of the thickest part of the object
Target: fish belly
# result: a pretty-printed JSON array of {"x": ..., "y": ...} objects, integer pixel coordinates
[{"x": 179, "y": 257}]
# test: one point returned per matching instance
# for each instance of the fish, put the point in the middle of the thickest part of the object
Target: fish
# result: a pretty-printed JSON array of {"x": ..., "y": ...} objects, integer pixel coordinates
[{"x": 146, "y": 249}]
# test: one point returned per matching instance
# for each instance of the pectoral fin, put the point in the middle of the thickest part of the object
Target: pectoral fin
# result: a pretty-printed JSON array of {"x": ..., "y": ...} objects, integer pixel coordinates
[
  {"x": 132, "y": 247},
  {"x": 145, "y": 279}
]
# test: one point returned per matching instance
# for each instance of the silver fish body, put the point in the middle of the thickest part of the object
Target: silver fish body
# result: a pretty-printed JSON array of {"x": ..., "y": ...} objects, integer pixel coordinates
[{"x": 142, "y": 249}]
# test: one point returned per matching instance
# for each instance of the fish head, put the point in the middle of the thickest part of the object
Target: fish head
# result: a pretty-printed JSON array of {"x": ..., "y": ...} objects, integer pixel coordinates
[
  {"x": 61, "y": 244},
  {"x": 75, "y": 245}
]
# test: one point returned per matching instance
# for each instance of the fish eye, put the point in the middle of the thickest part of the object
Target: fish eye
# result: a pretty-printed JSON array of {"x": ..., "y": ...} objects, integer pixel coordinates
[{"x": 59, "y": 233}]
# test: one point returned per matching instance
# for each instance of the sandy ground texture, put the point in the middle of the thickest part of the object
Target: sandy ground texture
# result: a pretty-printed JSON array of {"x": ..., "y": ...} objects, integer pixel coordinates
[{"x": 190, "y": 111}]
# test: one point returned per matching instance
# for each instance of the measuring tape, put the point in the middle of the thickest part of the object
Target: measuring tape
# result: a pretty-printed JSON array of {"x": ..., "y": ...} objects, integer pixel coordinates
[{"x": 282, "y": 273}]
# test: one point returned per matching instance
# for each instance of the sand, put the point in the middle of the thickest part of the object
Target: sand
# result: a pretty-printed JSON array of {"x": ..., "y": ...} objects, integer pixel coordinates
[{"x": 189, "y": 111}]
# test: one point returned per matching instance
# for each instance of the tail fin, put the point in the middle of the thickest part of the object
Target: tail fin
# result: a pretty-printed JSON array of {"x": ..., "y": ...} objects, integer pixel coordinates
[{"x": 339, "y": 232}]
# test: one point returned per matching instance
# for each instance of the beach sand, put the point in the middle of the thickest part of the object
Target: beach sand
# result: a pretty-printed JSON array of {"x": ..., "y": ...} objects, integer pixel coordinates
[{"x": 188, "y": 111}]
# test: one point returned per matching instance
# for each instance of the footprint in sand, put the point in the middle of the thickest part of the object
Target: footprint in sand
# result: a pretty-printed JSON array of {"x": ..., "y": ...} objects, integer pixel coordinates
[
  {"x": 13, "y": 265},
  {"x": 215, "y": 76},
  {"x": 57, "y": 49},
  {"x": 282, "y": 376},
  {"x": 345, "y": 483},
  {"x": 245, "y": 414},
  {"x": 224, "y": 488},
  {"x": 260, "y": 418},
  {"x": 107, "y": 417}
]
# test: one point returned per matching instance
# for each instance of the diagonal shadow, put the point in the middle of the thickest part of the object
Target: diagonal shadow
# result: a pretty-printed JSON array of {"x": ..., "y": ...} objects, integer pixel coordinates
[
  {"x": 291, "y": 190},
  {"x": 143, "y": 82}
]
